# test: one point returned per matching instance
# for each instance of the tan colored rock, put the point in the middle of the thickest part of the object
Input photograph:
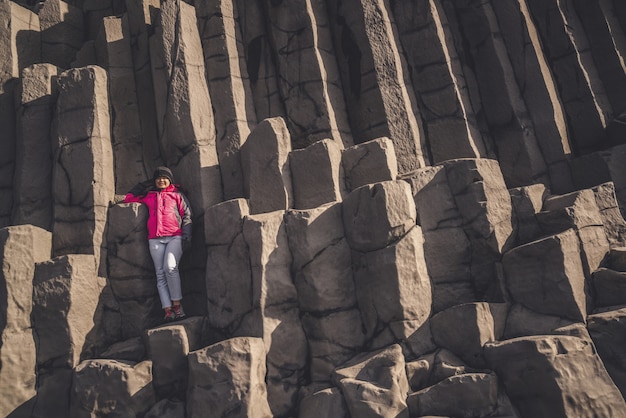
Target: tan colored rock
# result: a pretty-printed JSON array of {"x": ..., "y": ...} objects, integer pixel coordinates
[
  {"x": 33, "y": 158},
  {"x": 275, "y": 316},
  {"x": 83, "y": 158},
  {"x": 465, "y": 395},
  {"x": 583, "y": 96},
  {"x": 548, "y": 376},
  {"x": 438, "y": 80},
  {"x": 369, "y": 162},
  {"x": 392, "y": 284},
  {"x": 308, "y": 84},
  {"x": 377, "y": 86},
  {"x": 608, "y": 287},
  {"x": 580, "y": 211},
  {"x": 323, "y": 403},
  {"x": 608, "y": 332},
  {"x": 375, "y": 384},
  {"x": 266, "y": 156},
  {"x": 527, "y": 201},
  {"x": 140, "y": 14},
  {"x": 228, "y": 274},
  {"x": 229, "y": 86},
  {"x": 333, "y": 338},
  {"x": 617, "y": 259},
  {"x": 377, "y": 215},
  {"x": 465, "y": 329},
  {"x": 168, "y": 348},
  {"x": 259, "y": 61},
  {"x": 316, "y": 174},
  {"x": 523, "y": 322},
  {"x": 62, "y": 32},
  {"x": 186, "y": 134},
  {"x": 20, "y": 248},
  {"x": 111, "y": 387},
  {"x": 433, "y": 368},
  {"x": 612, "y": 219},
  {"x": 114, "y": 54},
  {"x": 547, "y": 276},
  {"x": 19, "y": 48},
  {"x": 228, "y": 379},
  {"x": 66, "y": 294}
]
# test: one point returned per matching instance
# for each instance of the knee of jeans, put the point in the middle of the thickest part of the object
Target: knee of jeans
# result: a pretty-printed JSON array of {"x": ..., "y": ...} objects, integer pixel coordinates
[{"x": 169, "y": 269}]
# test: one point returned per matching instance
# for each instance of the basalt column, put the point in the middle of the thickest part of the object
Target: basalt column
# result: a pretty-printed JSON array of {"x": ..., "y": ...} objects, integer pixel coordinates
[
  {"x": 260, "y": 63},
  {"x": 33, "y": 165},
  {"x": 538, "y": 89},
  {"x": 307, "y": 72},
  {"x": 19, "y": 48},
  {"x": 83, "y": 180},
  {"x": 114, "y": 53},
  {"x": 582, "y": 93},
  {"x": 229, "y": 86},
  {"x": 376, "y": 83},
  {"x": 62, "y": 32},
  {"x": 438, "y": 80},
  {"x": 140, "y": 22},
  {"x": 505, "y": 109}
]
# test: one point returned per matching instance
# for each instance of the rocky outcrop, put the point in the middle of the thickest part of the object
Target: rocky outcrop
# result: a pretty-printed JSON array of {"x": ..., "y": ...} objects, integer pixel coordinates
[{"x": 400, "y": 209}]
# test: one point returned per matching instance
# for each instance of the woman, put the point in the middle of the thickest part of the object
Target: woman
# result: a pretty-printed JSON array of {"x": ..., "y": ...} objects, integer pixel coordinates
[{"x": 169, "y": 226}]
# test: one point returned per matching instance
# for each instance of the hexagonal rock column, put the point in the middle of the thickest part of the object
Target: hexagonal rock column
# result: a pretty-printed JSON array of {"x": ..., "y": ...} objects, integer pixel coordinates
[
  {"x": 527, "y": 201},
  {"x": 438, "y": 81},
  {"x": 275, "y": 316},
  {"x": 83, "y": 180},
  {"x": 307, "y": 72},
  {"x": 259, "y": 61},
  {"x": 114, "y": 53},
  {"x": 19, "y": 48},
  {"x": 168, "y": 347},
  {"x": 608, "y": 331},
  {"x": 66, "y": 298},
  {"x": 322, "y": 266},
  {"x": 229, "y": 86},
  {"x": 316, "y": 174},
  {"x": 579, "y": 211},
  {"x": 547, "y": 276},
  {"x": 131, "y": 270},
  {"x": 555, "y": 376},
  {"x": 369, "y": 162},
  {"x": 266, "y": 160},
  {"x": 375, "y": 384},
  {"x": 392, "y": 284},
  {"x": 33, "y": 160},
  {"x": 464, "y": 329},
  {"x": 62, "y": 32},
  {"x": 20, "y": 248},
  {"x": 140, "y": 14},
  {"x": 464, "y": 209},
  {"x": 377, "y": 86},
  {"x": 580, "y": 89},
  {"x": 468, "y": 394},
  {"x": 102, "y": 387},
  {"x": 532, "y": 71},
  {"x": 228, "y": 379},
  {"x": 183, "y": 106},
  {"x": 612, "y": 219},
  {"x": 323, "y": 403},
  {"x": 228, "y": 274}
]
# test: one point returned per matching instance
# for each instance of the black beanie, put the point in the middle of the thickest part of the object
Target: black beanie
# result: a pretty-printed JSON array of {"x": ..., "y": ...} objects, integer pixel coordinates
[{"x": 163, "y": 172}]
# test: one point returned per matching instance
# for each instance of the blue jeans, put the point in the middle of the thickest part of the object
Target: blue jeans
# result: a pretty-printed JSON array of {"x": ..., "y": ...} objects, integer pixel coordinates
[{"x": 166, "y": 252}]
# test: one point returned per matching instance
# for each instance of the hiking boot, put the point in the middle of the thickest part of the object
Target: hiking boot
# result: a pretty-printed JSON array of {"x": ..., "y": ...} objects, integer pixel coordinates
[
  {"x": 178, "y": 311},
  {"x": 169, "y": 315}
]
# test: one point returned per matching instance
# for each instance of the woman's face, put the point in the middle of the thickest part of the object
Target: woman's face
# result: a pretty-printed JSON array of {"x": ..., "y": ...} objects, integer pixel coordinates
[{"x": 162, "y": 182}]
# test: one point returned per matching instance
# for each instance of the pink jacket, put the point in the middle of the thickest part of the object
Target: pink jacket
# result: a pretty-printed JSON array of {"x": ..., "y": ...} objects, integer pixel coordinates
[{"x": 170, "y": 214}]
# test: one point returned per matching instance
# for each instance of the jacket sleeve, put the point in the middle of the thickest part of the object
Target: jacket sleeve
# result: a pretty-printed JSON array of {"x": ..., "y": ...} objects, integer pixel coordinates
[
  {"x": 131, "y": 198},
  {"x": 185, "y": 213}
]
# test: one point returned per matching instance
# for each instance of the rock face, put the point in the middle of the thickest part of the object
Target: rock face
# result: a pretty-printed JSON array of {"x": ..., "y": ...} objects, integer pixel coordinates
[{"x": 400, "y": 208}]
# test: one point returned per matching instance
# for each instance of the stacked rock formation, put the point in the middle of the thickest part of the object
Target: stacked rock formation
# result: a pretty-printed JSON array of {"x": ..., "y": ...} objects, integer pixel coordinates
[{"x": 401, "y": 208}]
